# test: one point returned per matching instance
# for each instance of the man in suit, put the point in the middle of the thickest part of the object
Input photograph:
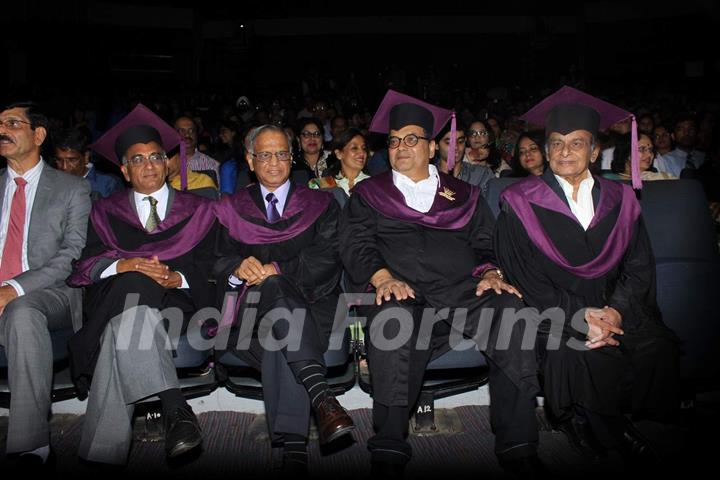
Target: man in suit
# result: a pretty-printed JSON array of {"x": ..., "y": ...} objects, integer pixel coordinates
[
  {"x": 72, "y": 156},
  {"x": 43, "y": 224},
  {"x": 279, "y": 250},
  {"x": 148, "y": 250}
]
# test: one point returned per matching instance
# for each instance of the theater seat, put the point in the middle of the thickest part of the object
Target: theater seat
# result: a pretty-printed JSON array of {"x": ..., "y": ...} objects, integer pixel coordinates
[
  {"x": 206, "y": 192},
  {"x": 686, "y": 295},
  {"x": 494, "y": 188},
  {"x": 63, "y": 388},
  {"x": 678, "y": 220},
  {"x": 340, "y": 196}
]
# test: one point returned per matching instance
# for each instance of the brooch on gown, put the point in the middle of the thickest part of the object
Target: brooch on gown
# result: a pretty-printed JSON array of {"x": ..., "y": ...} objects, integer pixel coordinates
[{"x": 447, "y": 193}]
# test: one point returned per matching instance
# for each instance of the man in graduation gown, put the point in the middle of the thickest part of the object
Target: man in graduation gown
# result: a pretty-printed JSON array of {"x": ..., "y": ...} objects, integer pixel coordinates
[
  {"x": 423, "y": 240},
  {"x": 279, "y": 250},
  {"x": 576, "y": 241},
  {"x": 149, "y": 249}
]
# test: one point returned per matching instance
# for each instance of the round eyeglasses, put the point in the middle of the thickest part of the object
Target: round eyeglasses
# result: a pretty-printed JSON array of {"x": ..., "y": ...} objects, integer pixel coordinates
[{"x": 410, "y": 140}]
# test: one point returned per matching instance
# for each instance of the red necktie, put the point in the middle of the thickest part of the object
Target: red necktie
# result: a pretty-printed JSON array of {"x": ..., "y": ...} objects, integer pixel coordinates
[{"x": 11, "y": 263}]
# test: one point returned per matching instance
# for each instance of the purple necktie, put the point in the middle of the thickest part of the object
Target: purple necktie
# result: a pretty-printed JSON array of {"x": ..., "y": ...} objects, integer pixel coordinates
[{"x": 272, "y": 212}]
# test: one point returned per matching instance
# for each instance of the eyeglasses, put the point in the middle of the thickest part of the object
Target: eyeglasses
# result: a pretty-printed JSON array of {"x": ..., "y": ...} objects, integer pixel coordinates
[
  {"x": 646, "y": 148},
  {"x": 186, "y": 131},
  {"x": 306, "y": 134},
  {"x": 529, "y": 151},
  {"x": 14, "y": 123},
  {"x": 266, "y": 157},
  {"x": 574, "y": 145},
  {"x": 156, "y": 158},
  {"x": 478, "y": 133},
  {"x": 409, "y": 140}
]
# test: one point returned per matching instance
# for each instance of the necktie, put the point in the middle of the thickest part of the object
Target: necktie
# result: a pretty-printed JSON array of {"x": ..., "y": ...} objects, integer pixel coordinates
[
  {"x": 272, "y": 212},
  {"x": 11, "y": 265},
  {"x": 153, "y": 220},
  {"x": 689, "y": 161}
]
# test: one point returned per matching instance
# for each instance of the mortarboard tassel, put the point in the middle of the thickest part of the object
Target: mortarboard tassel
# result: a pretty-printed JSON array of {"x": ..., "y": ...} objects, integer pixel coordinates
[
  {"x": 183, "y": 166},
  {"x": 453, "y": 144},
  {"x": 634, "y": 156}
]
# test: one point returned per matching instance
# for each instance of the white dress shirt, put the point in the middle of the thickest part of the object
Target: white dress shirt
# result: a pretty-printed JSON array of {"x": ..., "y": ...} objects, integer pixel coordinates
[
  {"x": 418, "y": 195},
  {"x": 143, "y": 210},
  {"x": 675, "y": 161},
  {"x": 32, "y": 177},
  {"x": 583, "y": 209}
]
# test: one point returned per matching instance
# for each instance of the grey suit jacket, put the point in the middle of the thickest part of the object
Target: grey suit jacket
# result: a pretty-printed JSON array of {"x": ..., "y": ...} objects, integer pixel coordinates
[{"x": 56, "y": 235}]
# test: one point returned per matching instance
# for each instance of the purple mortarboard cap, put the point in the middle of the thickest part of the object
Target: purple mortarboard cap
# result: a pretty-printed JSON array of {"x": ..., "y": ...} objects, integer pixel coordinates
[
  {"x": 569, "y": 109},
  {"x": 398, "y": 110},
  {"x": 141, "y": 125}
]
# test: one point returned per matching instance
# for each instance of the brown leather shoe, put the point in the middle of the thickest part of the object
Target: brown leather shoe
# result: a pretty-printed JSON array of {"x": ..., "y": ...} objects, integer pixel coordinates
[{"x": 332, "y": 420}]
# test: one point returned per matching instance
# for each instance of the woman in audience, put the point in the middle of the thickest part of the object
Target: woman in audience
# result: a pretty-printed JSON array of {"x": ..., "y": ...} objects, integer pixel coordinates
[
  {"x": 529, "y": 156},
  {"x": 351, "y": 151},
  {"x": 621, "y": 161},
  {"x": 311, "y": 158},
  {"x": 482, "y": 149}
]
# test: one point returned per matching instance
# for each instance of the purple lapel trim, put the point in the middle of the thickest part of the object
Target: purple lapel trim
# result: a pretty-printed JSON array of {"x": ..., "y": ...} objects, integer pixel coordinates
[
  {"x": 184, "y": 205},
  {"x": 381, "y": 194},
  {"x": 533, "y": 191},
  {"x": 304, "y": 206}
]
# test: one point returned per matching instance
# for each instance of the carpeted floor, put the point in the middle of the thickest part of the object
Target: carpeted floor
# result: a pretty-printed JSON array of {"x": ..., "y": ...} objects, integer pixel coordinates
[{"x": 236, "y": 446}]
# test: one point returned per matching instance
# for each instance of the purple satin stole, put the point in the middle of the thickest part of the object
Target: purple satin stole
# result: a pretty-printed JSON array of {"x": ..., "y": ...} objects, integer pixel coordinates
[
  {"x": 446, "y": 213},
  {"x": 534, "y": 191},
  {"x": 184, "y": 205},
  {"x": 236, "y": 212}
]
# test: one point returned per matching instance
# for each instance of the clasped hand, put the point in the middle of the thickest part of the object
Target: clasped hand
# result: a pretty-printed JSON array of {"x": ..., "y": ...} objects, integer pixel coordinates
[
  {"x": 153, "y": 268},
  {"x": 253, "y": 272}
]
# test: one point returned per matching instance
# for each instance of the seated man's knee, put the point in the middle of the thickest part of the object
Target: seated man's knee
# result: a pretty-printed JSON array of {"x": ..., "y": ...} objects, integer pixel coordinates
[
  {"x": 275, "y": 285},
  {"x": 134, "y": 281},
  {"x": 19, "y": 319},
  {"x": 507, "y": 300}
]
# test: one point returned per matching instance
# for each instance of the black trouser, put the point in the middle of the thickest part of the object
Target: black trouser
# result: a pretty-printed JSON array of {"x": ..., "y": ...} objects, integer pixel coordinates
[
  {"x": 397, "y": 378},
  {"x": 287, "y": 405}
]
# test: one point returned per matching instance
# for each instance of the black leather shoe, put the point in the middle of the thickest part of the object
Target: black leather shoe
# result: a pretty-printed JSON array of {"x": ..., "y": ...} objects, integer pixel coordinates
[
  {"x": 636, "y": 449},
  {"x": 581, "y": 439},
  {"x": 386, "y": 470},
  {"x": 294, "y": 469},
  {"x": 28, "y": 463},
  {"x": 332, "y": 420},
  {"x": 182, "y": 432},
  {"x": 528, "y": 467}
]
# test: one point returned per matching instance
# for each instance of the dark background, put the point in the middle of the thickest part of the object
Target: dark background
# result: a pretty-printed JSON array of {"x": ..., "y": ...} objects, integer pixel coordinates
[{"x": 71, "y": 47}]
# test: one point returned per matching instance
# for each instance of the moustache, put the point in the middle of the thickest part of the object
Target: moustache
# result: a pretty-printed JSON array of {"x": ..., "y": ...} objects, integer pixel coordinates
[{"x": 5, "y": 138}]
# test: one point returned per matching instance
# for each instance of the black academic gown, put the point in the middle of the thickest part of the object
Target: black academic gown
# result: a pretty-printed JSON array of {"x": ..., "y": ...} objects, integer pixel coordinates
[
  {"x": 105, "y": 298},
  {"x": 640, "y": 375},
  {"x": 439, "y": 265},
  {"x": 309, "y": 276}
]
